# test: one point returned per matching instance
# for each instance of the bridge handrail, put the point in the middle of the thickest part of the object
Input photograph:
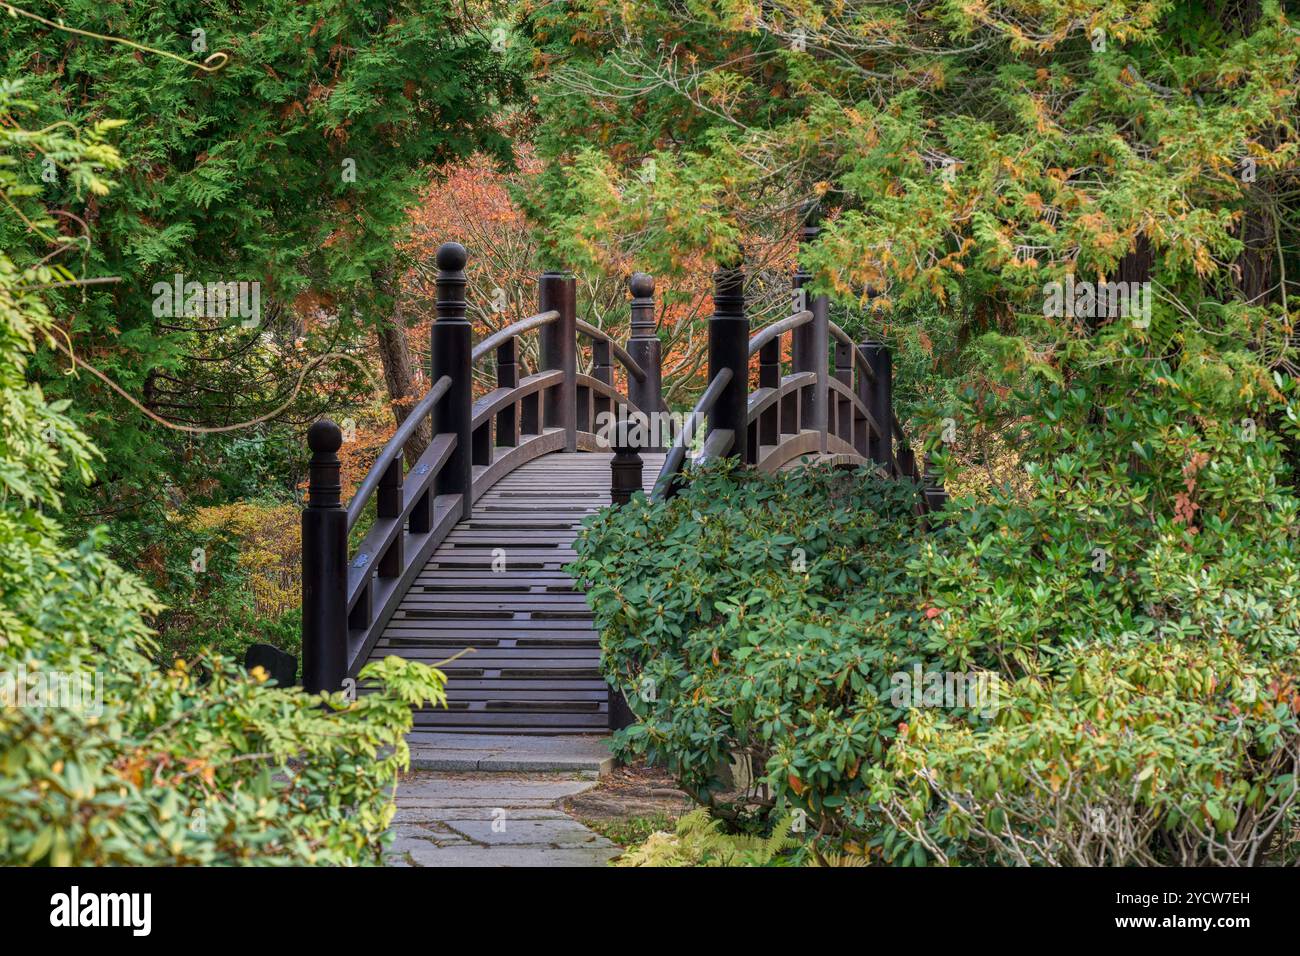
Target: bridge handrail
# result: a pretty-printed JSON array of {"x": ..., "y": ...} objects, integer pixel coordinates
[
  {"x": 777, "y": 329},
  {"x": 501, "y": 336},
  {"x": 594, "y": 332},
  {"x": 677, "y": 454},
  {"x": 418, "y": 413},
  {"x": 843, "y": 412},
  {"x": 859, "y": 360}
]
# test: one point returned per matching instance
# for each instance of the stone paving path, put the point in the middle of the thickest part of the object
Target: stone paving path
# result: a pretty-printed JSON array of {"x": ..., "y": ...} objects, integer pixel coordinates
[{"x": 493, "y": 819}]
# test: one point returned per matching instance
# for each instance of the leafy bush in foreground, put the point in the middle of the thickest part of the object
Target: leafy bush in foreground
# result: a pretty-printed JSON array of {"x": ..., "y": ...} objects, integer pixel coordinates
[
  {"x": 762, "y": 616},
  {"x": 104, "y": 758},
  {"x": 1145, "y": 716}
]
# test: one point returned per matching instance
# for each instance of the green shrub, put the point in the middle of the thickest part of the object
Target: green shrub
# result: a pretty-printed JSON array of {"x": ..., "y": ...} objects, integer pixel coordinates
[
  {"x": 1144, "y": 709},
  {"x": 764, "y": 616},
  {"x": 104, "y": 758}
]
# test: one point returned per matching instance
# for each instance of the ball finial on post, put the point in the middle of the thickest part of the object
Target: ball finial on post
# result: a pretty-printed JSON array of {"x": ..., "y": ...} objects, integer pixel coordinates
[
  {"x": 641, "y": 285},
  {"x": 450, "y": 283},
  {"x": 324, "y": 436},
  {"x": 324, "y": 487}
]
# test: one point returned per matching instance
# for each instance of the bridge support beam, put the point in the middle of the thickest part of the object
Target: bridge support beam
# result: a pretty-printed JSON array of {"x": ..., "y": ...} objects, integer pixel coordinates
[
  {"x": 729, "y": 348},
  {"x": 324, "y": 566},
  {"x": 559, "y": 347},
  {"x": 450, "y": 343}
]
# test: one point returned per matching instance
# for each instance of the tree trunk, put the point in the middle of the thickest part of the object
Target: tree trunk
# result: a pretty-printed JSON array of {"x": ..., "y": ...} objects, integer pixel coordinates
[{"x": 399, "y": 372}]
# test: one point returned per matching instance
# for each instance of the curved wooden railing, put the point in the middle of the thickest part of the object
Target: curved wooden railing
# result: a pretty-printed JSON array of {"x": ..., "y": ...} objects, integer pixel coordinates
[
  {"x": 837, "y": 404},
  {"x": 833, "y": 399},
  {"x": 349, "y": 598},
  {"x": 676, "y": 456}
]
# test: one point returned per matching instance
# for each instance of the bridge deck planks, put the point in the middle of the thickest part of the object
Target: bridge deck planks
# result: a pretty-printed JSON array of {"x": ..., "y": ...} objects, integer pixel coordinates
[{"x": 535, "y": 667}]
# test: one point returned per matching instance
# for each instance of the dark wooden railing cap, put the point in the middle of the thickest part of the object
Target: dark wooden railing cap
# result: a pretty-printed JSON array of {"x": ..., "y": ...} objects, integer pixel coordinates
[
  {"x": 642, "y": 287},
  {"x": 451, "y": 258},
  {"x": 324, "y": 487}
]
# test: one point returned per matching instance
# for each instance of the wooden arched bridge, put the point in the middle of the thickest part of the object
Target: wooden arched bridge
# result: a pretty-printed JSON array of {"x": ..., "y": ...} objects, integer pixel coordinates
[{"x": 466, "y": 548}]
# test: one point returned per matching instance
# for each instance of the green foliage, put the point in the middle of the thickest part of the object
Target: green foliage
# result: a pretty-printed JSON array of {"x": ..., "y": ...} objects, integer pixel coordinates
[
  {"x": 699, "y": 840},
  {"x": 1145, "y": 710},
  {"x": 104, "y": 758},
  {"x": 631, "y": 831},
  {"x": 761, "y": 616},
  {"x": 238, "y": 174}
]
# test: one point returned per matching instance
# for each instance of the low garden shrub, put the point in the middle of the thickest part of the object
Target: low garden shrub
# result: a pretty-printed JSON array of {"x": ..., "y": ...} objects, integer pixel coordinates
[
  {"x": 1137, "y": 672},
  {"x": 106, "y": 758}
]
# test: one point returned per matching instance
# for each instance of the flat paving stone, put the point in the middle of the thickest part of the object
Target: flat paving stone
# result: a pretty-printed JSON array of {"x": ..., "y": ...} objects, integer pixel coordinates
[
  {"x": 514, "y": 856},
  {"x": 469, "y": 752},
  {"x": 505, "y": 830},
  {"x": 493, "y": 819}
]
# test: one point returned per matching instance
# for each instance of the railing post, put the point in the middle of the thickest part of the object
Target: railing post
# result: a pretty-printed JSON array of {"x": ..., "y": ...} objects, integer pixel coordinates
[
  {"x": 645, "y": 348},
  {"x": 804, "y": 354},
  {"x": 507, "y": 426},
  {"x": 625, "y": 472},
  {"x": 625, "y": 468},
  {"x": 450, "y": 342},
  {"x": 820, "y": 339},
  {"x": 879, "y": 397},
  {"x": 324, "y": 566},
  {"x": 769, "y": 376},
  {"x": 729, "y": 348},
  {"x": 843, "y": 407},
  {"x": 559, "y": 347}
]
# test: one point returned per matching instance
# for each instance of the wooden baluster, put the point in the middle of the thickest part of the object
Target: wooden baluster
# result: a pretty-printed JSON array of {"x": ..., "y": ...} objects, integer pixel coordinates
[
  {"x": 862, "y": 389},
  {"x": 769, "y": 376},
  {"x": 450, "y": 339},
  {"x": 805, "y": 354},
  {"x": 508, "y": 377},
  {"x": 881, "y": 403},
  {"x": 324, "y": 566},
  {"x": 843, "y": 407},
  {"x": 729, "y": 348},
  {"x": 558, "y": 291},
  {"x": 821, "y": 343},
  {"x": 645, "y": 348},
  {"x": 601, "y": 371},
  {"x": 388, "y": 504}
]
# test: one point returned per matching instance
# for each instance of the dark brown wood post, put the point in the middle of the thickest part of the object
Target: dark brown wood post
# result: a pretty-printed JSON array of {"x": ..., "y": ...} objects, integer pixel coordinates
[
  {"x": 882, "y": 402},
  {"x": 602, "y": 370},
  {"x": 324, "y": 566},
  {"x": 729, "y": 348},
  {"x": 843, "y": 407},
  {"x": 450, "y": 341},
  {"x": 769, "y": 376},
  {"x": 626, "y": 477},
  {"x": 558, "y": 291},
  {"x": 508, "y": 377},
  {"x": 645, "y": 348},
  {"x": 804, "y": 356},
  {"x": 819, "y": 419},
  {"x": 626, "y": 467}
]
